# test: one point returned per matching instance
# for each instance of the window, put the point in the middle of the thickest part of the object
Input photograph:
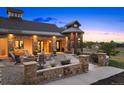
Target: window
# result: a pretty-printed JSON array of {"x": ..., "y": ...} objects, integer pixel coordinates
[
  {"x": 19, "y": 44},
  {"x": 75, "y": 25}
]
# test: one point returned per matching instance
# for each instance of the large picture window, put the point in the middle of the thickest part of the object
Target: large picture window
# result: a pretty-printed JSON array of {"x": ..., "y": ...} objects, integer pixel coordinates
[{"x": 19, "y": 44}]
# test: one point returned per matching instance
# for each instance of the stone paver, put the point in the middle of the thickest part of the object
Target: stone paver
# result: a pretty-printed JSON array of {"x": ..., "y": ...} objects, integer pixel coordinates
[{"x": 92, "y": 76}]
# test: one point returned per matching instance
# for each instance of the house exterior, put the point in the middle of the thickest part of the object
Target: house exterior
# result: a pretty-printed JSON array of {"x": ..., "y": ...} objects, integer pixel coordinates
[{"x": 19, "y": 34}]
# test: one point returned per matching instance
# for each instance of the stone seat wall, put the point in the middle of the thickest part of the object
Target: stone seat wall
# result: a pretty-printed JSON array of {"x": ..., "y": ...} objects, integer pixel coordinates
[{"x": 34, "y": 76}]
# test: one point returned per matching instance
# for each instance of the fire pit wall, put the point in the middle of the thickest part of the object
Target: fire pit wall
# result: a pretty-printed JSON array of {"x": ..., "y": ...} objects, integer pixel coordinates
[{"x": 33, "y": 76}]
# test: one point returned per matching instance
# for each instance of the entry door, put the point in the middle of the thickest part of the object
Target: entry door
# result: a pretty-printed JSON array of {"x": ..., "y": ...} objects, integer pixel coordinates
[{"x": 58, "y": 46}]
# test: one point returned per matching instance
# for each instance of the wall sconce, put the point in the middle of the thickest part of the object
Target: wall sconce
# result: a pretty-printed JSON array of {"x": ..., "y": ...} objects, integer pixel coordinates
[
  {"x": 79, "y": 39},
  {"x": 54, "y": 37},
  {"x": 10, "y": 36}
]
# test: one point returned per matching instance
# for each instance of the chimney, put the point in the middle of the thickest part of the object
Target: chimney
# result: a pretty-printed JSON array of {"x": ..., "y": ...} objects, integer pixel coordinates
[{"x": 14, "y": 13}]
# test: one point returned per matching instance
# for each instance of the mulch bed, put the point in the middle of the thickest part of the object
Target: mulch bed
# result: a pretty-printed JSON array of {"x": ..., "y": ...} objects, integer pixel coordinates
[{"x": 117, "y": 79}]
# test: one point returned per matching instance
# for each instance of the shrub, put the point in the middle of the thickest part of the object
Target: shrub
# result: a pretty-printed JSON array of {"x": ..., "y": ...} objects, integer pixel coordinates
[
  {"x": 65, "y": 62},
  {"x": 114, "y": 53},
  {"x": 53, "y": 65}
]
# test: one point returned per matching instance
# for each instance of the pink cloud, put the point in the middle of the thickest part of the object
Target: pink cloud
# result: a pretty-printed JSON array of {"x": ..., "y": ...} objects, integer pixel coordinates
[{"x": 105, "y": 36}]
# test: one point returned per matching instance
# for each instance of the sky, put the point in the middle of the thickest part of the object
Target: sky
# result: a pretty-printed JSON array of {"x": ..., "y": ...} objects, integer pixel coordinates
[{"x": 98, "y": 23}]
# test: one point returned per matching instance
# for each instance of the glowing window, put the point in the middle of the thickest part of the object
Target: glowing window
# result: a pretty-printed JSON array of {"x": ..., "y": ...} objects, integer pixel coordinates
[{"x": 19, "y": 44}]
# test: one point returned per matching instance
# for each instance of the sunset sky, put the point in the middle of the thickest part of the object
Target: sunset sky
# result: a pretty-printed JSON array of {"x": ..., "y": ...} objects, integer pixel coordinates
[{"x": 99, "y": 24}]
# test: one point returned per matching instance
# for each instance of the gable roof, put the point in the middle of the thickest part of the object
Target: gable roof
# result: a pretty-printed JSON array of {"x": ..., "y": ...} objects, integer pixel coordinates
[
  {"x": 18, "y": 24},
  {"x": 72, "y": 29},
  {"x": 73, "y": 22}
]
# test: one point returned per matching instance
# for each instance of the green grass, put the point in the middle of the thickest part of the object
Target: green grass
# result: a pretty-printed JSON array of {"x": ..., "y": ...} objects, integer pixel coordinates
[
  {"x": 117, "y": 64},
  {"x": 118, "y": 60}
]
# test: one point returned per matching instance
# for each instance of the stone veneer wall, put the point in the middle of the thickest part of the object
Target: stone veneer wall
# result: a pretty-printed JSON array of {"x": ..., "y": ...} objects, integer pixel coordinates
[
  {"x": 102, "y": 58},
  {"x": 33, "y": 76},
  {"x": 58, "y": 72}
]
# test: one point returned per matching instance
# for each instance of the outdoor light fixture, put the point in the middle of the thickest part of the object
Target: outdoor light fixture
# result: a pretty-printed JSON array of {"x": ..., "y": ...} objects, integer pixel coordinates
[
  {"x": 54, "y": 37},
  {"x": 10, "y": 36},
  {"x": 79, "y": 39},
  {"x": 34, "y": 36}
]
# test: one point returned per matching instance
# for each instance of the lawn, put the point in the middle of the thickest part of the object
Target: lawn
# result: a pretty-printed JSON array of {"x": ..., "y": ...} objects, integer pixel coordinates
[{"x": 118, "y": 60}]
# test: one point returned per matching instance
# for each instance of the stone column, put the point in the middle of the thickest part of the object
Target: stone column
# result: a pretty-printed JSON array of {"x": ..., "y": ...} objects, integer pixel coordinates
[
  {"x": 30, "y": 73},
  {"x": 102, "y": 60},
  {"x": 35, "y": 41},
  {"x": 75, "y": 43},
  {"x": 84, "y": 60},
  {"x": 66, "y": 43},
  {"x": 72, "y": 42},
  {"x": 11, "y": 42},
  {"x": 54, "y": 43},
  {"x": 81, "y": 42},
  {"x": 1, "y": 73}
]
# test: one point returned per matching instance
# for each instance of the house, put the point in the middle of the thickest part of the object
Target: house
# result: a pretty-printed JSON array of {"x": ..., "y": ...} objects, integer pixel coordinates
[{"x": 19, "y": 34}]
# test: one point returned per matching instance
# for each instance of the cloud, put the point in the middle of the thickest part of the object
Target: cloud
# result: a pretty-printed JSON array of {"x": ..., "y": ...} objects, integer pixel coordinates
[
  {"x": 100, "y": 36},
  {"x": 49, "y": 20},
  {"x": 106, "y": 33}
]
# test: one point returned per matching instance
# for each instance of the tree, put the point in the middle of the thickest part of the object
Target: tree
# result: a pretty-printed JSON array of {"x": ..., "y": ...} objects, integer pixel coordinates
[
  {"x": 88, "y": 44},
  {"x": 109, "y": 48}
]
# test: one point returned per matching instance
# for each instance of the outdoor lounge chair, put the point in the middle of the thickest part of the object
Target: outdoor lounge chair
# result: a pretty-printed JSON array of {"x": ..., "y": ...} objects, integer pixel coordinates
[
  {"x": 12, "y": 56},
  {"x": 15, "y": 58},
  {"x": 27, "y": 56},
  {"x": 41, "y": 59}
]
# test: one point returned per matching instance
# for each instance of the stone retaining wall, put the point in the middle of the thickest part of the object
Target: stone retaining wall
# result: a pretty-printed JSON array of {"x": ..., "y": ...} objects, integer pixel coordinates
[
  {"x": 33, "y": 76},
  {"x": 59, "y": 72}
]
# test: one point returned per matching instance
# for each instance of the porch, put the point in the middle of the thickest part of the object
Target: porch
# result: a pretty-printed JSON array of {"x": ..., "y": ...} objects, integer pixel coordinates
[{"x": 30, "y": 45}]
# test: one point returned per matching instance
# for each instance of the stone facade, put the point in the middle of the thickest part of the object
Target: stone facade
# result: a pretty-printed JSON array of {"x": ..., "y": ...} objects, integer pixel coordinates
[
  {"x": 30, "y": 75},
  {"x": 1, "y": 72},
  {"x": 49, "y": 74},
  {"x": 84, "y": 60},
  {"x": 33, "y": 76},
  {"x": 59, "y": 72},
  {"x": 102, "y": 59}
]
